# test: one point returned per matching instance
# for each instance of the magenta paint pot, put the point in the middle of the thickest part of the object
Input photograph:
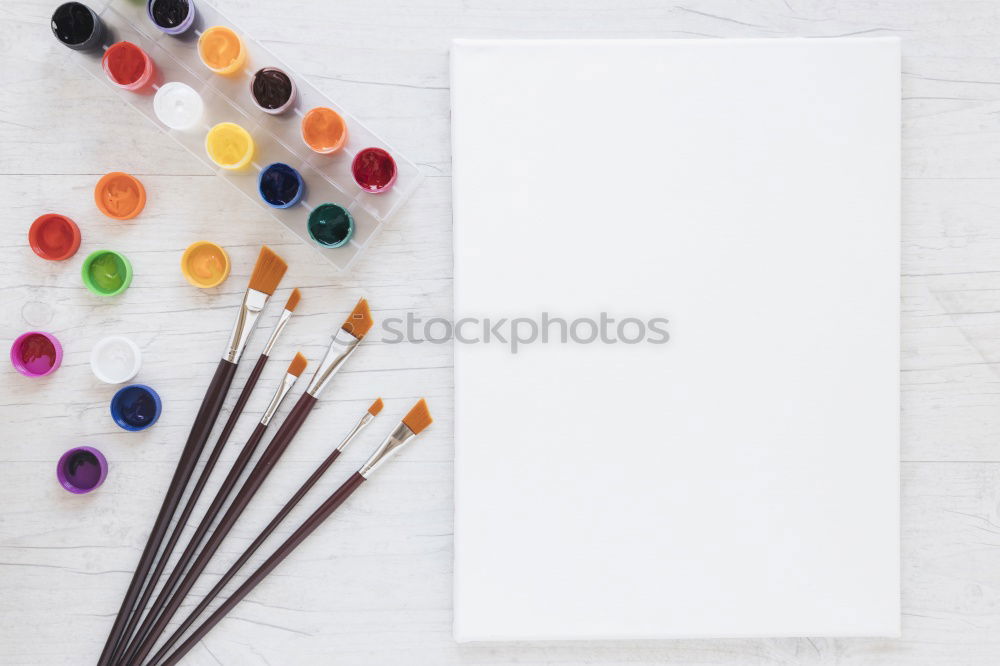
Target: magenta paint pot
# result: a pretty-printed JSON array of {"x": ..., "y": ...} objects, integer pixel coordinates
[
  {"x": 82, "y": 469},
  {"x": 36, "y": 354}
]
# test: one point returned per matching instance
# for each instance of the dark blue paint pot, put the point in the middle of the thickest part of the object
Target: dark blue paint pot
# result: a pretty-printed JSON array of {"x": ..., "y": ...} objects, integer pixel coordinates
[
  {"x": 135, "y": 407},
  {"x": 280, "y": 186}
]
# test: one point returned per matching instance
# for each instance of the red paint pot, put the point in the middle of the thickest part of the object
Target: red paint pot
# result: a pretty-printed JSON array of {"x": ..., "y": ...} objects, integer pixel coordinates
[
  {"x": 374, "y": 170},
  {"x": 54, "y": 237},
  {"x": 128, "y": 66}
]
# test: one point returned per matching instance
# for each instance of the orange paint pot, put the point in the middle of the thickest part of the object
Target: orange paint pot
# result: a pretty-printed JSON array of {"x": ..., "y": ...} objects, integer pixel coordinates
[
  {"x": 205, "y": 265},
  {"x": 222, "y": 50},
  {"x": 120, "y": 196},
  {"x": 324, "y": 130},
  {"x": 128, "y": 66}
]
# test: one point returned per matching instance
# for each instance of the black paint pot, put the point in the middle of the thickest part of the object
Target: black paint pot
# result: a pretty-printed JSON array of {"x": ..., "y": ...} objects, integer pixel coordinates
[
  {"x": 77, "y": 26},
  {"x": 272, "y": 90}
]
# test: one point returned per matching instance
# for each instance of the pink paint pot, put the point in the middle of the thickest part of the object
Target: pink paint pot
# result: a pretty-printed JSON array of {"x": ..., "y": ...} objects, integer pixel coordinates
[
  {"x": 36, "y": 354},
  {"x": 82, "y": 469},
  {"x": 128, "y": 66}
]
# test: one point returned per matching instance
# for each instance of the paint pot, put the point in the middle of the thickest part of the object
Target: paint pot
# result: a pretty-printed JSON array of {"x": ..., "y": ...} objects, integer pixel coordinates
[
  {"x": 229, "y": 146},
  {"x": 82, "y": 469},
  {"x": 119, "y": 195},
  {"x": 178, "y": 106},
  {"x": 374, "y": 170},
  {"x": 54, "y": 237},
  {"x": 324, "y": 130},
  {"x": 36, "y": 354},
  {"x": 77, "y": 26},
  {"x": 272, "y": 90},
  {"x": 280, "y": 186},
  {"x": 331, "y": 225},
  {"x": 115, "y": 359},
  {"x": 135, "y": 407},
  {"x": 222, "y": 50},
  {"x": 106, "y": 272},
  {"x": 171, "y": 16},
  {"x": 205, "y": 264},
  {"x": 128, "y": 66}
]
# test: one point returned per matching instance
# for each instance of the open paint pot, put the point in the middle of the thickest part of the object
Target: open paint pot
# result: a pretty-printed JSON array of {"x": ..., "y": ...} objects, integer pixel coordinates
[
  {"x": 82, "y": 469},
  {"x": 331, "y": 225},
  {"x": 324, "y": 130},
  {"x": 119, "y": 195},
  {"x": 77, "y": 26},
  {"x": 178, "y": 106},
  {"x": 272, "y": 90},
  {"x": 229, "y": 146},
  {"x": 135, "y": 407},
  {"x": 171, "y": 16},
  {"x": 54, "y": 237},
  {"x": 36, "y": 354},
  {"x": 374, "y": 170},
  {"x": 222, "y": 50},
  {"x": 205, "y": 264},
  {"x": 106, "y": 272},
  {"x": 115, "y": 359},
  {"x": 128, "y": 66},
  {"x": 280, "y": 186}
]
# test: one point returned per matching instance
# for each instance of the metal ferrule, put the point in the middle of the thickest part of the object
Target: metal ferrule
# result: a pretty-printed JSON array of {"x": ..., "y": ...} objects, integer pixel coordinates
[
  {"x": 253, "y": 303},
  {"x": 365, "y": 420},
  {"x": 279, "y": 327},
  {"x": 286, "y": 385},
  {"x": 393, "y": 443},
  {"x": 342, "y": 346}
]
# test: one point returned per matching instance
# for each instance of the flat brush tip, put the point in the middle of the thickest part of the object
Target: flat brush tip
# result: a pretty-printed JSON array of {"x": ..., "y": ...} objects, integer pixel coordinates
[
  {"x": 268, "y": 271},
  {"x": 376, "y": 407},
  {"x": 293, "y": 300},
  {"x": 360, "y": 321},
  {"x": 418, "y": 418},
  {"x": 297, "y": 365}
]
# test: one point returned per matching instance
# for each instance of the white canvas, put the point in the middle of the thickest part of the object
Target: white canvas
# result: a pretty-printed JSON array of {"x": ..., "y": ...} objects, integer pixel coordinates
[{"x": 741, "y": 479}]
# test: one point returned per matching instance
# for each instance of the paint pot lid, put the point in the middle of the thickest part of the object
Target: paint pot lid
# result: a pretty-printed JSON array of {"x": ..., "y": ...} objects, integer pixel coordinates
[
  {"x": 109, "y": 282},
  {"x": 119, "y": 195},
  {"x": 54, "y": 237},
  {"x": 82, "y": 469},
  {"x": 135, "y": 407},
  {"x": 178, "y": 106},
  {"x": 205, "y": 264},
  {"x": 115, "y": 359},
  {"x": 36, "y": 354}
]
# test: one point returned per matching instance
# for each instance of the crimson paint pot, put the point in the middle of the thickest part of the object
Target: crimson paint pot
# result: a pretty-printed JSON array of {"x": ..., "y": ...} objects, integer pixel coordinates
[
  {"x": 374, "y": 170},
  {"x": 128, "y": 66},
  {"x": 54, "y": 237}
]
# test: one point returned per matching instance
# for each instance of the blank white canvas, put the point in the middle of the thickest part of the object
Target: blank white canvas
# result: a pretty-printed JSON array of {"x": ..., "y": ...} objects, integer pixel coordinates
[{"x": 742, "y": 479}]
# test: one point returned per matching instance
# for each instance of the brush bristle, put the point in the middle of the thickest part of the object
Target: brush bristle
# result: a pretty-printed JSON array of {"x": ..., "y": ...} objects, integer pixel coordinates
[
  {"x": 418, "y": 418},
  {"x": 360, "y": 321},
  {"x": 297, "y": 365},
  {"x": 268, "y": 271},
  {"x": 293, "y": 300},
  {"x": 376, "y": 407}
]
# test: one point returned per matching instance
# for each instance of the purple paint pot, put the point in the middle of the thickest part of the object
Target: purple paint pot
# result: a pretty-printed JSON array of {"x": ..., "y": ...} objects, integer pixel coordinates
[
  {"x": 36, "y": 354},
  {"x": 82, "y": 469},
  {"x": 171, "y": 16}
]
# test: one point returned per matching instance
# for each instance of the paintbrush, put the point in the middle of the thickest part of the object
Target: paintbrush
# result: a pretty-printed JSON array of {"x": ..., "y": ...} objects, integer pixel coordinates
[
  {"x": 213, "y": 458},
  {"x": 412, "y": 425},
  {"x": 264, "y": 279},
  {"x": 369, "y": 416},
  {"x": 345, "y": 342}
]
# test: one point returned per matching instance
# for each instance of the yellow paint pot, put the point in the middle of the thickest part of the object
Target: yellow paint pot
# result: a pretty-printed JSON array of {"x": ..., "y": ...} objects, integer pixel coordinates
[
  {"x": 205, "y": 264},
  {"x": 229, "y": 145}
]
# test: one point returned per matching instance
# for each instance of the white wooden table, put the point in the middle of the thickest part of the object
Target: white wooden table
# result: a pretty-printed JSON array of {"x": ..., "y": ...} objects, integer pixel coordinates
[{"x": 374, "y": 585}]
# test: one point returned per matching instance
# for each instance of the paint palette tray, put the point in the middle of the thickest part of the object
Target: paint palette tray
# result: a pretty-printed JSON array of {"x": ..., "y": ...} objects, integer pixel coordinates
[{"x": 328, "y": 177}]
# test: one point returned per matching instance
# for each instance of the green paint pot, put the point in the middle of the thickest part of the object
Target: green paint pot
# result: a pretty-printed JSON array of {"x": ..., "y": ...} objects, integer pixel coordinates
[
  {"x": 106, "y": 272},
  {"x": 331, "y": 225}
]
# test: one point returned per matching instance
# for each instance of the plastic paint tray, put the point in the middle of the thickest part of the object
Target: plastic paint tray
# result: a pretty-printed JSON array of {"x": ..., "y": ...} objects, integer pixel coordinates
[{"x": 327, "y": 178}]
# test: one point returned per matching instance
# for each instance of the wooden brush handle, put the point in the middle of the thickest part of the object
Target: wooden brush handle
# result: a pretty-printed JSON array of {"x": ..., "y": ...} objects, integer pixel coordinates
[
  {"x": 203, "y": 423},
  {"x": 283, "y": 551}
]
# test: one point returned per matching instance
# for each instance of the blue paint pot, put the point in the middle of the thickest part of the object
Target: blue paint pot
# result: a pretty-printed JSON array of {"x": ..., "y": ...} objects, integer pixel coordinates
[
  {"x": 280, "y": 186},
  {"x": 135, "y": 407}
]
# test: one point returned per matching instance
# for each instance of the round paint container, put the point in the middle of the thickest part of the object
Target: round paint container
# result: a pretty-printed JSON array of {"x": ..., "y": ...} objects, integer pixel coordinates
[
  {"x": 115, "y": 359},
  {"x": 171, "y": 16},
  {"x": 54, "y": 237},
  {"x": 331, "y": 225},
  {"x": 222, "y": 50},
  {"x": 178, "y": 106},
  {"x": 77, "y": 26},
  {"x": 82, "y": 469},
  {"x": 374, "y": 170},
  {"x": 229, "y": 146},
  {"x": 280, "y": 186},
  {"x": 128, "y": 66},
  {"x": 272, "y": 90},
  {"x": 119, "y": 195},
  {"x": 106, "y": 272},
  {"x": 36, "y": 354},
  {"x": 205, "y": 264},
  {"x": 135, "y": 407},
  {"x": 324, "y": 130}
]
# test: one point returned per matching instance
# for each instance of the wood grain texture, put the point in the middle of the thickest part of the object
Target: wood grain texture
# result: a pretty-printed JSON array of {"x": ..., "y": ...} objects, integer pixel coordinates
[{"x": 373, "y": 586}]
